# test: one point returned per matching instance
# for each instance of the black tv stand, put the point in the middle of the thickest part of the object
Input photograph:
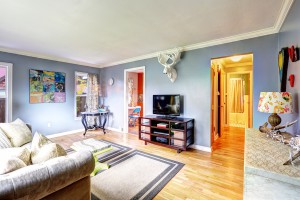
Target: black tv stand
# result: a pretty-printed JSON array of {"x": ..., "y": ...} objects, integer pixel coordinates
[
  {"x": 166, "y": 117},
  {"x": 176, "y": 133}
]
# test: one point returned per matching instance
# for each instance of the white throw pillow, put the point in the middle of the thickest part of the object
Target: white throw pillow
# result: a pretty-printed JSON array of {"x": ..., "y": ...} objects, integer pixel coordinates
[
  {"x": 4, "y": 141},
  {"x": 10, "y": 164},
  {"x": 17, "y": 132},
  {"x": 18, "y": 152},
  {"x": 42, "y": 149}
]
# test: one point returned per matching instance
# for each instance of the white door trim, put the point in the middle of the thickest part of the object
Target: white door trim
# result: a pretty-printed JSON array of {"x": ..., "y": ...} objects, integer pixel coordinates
[
  {"x": 125, "y": 117},
  {"x": 9, "y": 71}
]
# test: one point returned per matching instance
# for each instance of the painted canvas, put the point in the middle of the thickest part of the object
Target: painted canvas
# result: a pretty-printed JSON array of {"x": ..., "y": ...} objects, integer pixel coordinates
[{"x": 47, "y": 86}]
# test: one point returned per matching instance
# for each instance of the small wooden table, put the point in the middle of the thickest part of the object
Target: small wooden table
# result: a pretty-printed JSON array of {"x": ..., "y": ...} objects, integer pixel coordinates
[{"x": 100, "y": 115}]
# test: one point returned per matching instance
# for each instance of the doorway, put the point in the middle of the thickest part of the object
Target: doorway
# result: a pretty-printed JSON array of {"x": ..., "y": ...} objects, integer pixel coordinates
[
  {"x": 134, "y": 98},
  {"x": 5, "y": 92},
  {"x": 231, "y": 93}
]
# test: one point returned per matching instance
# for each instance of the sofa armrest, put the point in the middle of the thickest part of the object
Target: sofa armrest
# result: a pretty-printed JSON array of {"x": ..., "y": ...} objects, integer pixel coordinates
[{"x": 39, "y": 180}]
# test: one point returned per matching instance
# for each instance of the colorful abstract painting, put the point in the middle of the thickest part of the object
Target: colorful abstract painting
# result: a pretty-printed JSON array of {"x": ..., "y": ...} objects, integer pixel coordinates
[{"x": 47, "y": 86}]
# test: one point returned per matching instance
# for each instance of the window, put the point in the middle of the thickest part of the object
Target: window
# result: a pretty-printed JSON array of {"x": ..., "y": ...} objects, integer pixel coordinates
[
  {"x": 81, "y": 90},
  {"x": 86, "y": 93}
]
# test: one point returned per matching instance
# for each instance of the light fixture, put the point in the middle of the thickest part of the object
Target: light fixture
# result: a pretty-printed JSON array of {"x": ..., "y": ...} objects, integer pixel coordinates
[
  {"x": 236, "y": 58},
  {"x": 275, "y": 103}
]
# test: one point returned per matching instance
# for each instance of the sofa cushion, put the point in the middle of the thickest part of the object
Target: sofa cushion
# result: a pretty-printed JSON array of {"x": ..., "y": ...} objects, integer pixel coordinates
[
  {"x": 4, "y": 141},
  {"x": 16, "y": 152},
  {"x": 9, "y": 164},
  {"x": 42, "y": 149},
  {"x": 17, "y": 132}
]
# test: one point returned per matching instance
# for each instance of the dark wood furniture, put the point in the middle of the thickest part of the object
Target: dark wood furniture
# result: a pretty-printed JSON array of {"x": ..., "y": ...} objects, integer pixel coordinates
[
  {"x": 176, "y": 133},
  {"x": 100, "y": 115}
]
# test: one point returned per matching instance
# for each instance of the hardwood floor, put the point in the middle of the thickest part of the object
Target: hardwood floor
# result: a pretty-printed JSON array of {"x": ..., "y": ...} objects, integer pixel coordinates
[{"x": 216, "y": 175}]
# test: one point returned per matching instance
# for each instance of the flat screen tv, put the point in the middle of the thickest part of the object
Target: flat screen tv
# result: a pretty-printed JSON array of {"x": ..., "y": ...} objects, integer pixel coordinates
[{"x": 166, "y": 105}]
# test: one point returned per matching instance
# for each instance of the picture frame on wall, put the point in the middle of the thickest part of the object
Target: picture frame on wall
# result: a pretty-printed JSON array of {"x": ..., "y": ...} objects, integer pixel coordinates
[{"x": 47, "y": 86}]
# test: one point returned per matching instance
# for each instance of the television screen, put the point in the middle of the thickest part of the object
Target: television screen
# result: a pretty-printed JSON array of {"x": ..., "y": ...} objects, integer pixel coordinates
[{"x": 166, "y": 104}]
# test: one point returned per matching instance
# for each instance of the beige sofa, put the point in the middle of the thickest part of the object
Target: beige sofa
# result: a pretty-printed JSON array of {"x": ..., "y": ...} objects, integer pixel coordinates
[{"x": 65, "y": 177}]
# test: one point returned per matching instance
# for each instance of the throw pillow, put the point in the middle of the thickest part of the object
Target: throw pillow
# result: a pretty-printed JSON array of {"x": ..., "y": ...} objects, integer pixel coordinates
[
  {"x": 4, "y": 141},
  {"x": 17, "y": 132},
  {"x": 17, "y": 152},
  {"x": 10, "y": 164},
  {"x": 42, "y": 149}
]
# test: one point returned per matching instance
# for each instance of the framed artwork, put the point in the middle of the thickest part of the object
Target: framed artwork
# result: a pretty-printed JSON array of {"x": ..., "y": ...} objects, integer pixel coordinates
[
  {"x": 46, "y": 86},
  {"x": 283, "y": 61}
]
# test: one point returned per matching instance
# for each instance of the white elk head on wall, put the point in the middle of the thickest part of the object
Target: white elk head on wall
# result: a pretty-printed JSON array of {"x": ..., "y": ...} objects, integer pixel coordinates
[{"x": 168, "y": 60}]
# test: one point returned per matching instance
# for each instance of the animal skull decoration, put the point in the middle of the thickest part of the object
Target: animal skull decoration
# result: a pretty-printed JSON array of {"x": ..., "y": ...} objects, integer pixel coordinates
[{"x": 168, "y": 60}]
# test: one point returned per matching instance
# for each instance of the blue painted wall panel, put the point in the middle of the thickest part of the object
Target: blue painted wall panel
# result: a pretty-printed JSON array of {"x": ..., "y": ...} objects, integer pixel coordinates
[
  {"x": 193, "y": 81},
  {"x": 290, "y": 35},
  {"x": 60, "y": 115}
]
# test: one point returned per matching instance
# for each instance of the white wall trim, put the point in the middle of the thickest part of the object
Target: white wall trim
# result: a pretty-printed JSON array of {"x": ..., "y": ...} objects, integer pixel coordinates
[
  {"x": 47, "y": 57},
  {"x": 267, "y": 31},
  {"x": 115, "y": 130},
  {"x": 78, "y": 131},
  {"x": 283, "y": 13},
  {"x": 201, "y": 148},
  {"x": 125, "y": 107},
  {"x": 65, "y": 133}
]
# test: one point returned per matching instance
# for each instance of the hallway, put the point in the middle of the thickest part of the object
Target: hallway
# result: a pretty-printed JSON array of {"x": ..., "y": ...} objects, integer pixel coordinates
[{"x": 231, "y": 143}]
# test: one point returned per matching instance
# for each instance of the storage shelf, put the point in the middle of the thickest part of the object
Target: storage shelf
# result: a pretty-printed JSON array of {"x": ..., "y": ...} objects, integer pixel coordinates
[{"x": 184, "y": 127}]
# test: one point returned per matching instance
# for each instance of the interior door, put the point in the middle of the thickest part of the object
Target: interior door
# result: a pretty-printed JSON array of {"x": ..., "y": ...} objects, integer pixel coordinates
[
  {"x": 212, "y": 72},
  {"x": 222, "y": 101}
]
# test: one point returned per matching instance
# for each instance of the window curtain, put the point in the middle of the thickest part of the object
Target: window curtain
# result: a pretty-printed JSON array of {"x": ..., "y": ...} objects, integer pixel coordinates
[
  {"x": 237, "y": 95},
  {"x": 92, "y": 97}
]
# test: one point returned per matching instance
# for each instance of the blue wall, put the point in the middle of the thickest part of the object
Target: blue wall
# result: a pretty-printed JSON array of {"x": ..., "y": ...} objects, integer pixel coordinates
[
  {"x": 60, "y": 115},
  {"x": 290, "y": 35},
  {"x": 193, "y": 81}
]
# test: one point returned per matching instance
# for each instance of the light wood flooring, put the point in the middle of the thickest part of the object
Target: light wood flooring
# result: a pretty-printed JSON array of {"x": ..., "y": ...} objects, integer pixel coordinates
[{"x": 216, "y": 175}]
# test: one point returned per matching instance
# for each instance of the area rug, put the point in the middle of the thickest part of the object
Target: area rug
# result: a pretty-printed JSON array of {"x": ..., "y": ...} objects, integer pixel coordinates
[
  {"x": 134, "y": 175},
  {"x": 117, "y": 150}
]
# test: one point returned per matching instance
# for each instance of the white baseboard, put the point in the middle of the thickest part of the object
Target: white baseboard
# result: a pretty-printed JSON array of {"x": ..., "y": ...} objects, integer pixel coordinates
[
  {"x": 65, "y": 133},
  {"x": 114, "y": 129},
  {"x": 201, "y": 148},
  {"x": 194, "y": 146}
]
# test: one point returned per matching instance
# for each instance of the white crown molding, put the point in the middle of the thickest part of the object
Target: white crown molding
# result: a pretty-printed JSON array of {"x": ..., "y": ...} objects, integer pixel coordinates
[
  {"x": 267, "y": 31},
  {"x": 44, "y": 56},
  {"x": 210, "y": 43},
  {"x": 201, "y": 148},
  {"x": 286, "y": 6},
  {"x": 272, "y": 30}
]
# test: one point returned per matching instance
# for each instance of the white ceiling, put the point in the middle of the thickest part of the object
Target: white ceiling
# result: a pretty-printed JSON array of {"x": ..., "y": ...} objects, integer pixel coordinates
[{"x": 106, "y": 32}]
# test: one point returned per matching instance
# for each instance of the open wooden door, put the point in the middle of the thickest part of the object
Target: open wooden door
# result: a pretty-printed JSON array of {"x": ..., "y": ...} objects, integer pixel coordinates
[
  {"x": 222, "y": 101},
  {"x": 213, "y": 125}
]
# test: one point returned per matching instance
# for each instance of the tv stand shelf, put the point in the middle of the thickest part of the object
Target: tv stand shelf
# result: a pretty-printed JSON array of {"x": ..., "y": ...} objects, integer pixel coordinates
[{"x": 176, "y": 133}]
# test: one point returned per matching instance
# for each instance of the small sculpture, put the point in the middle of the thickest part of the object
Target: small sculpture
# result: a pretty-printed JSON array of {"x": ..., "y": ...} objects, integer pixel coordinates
[
  {"x": 294, "y": 150},
  {"x": 168, "y": 60}
]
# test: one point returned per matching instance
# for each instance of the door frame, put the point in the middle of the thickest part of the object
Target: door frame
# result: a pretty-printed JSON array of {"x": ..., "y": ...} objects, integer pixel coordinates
[
  {"x": 125, "y": 117},
  {"x": 250, "y": 124},
  {"x": 8, "y": 92}
]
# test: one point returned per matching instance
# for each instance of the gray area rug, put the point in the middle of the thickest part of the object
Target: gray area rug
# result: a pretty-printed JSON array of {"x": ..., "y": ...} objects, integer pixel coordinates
[
  {"x": 134, "y": 175},
  {"x": 117, "y": 150}
]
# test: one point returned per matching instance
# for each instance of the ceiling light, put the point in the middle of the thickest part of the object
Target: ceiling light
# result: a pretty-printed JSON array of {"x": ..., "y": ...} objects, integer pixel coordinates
[{"x": 236, "y": 58}]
